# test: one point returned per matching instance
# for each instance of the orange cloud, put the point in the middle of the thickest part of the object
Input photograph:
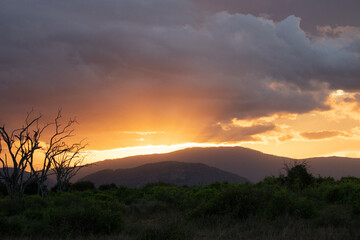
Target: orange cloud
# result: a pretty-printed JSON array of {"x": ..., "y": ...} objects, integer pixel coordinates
[
  {"x": 285, "y": 138},
  {"x": 322, "y": 135}
]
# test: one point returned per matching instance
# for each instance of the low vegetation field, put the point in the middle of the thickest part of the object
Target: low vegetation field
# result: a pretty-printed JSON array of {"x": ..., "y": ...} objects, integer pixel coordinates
[{"x": 295, "y": 206}]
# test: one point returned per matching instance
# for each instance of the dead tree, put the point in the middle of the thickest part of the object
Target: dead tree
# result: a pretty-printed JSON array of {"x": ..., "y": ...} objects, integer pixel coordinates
[
  {"x": 56, "y": 146},
  {"x": 20, "y": 146},
  {"x": 67, "y": 164}
]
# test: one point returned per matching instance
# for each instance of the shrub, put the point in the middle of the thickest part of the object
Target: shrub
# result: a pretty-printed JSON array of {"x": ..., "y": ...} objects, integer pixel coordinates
[
  {"x": 170, "y": 194},
  {"x": 197, "y": 198},
  {"x": 279, "y": 203},
  {"x": 105, "y": 187},
  {"x": 334, "y": 216},
  {"x": 145, "y": 208},
  {"x": 345, "y": 193},
  {"x": 35, "y": 202},
  {"x": 304, "y": 208},
  {"x": 325, "y": 180},
  {"x": 165, "y": 232},
  {"x": 13, "y": 226},
  {"x": 10, "y": 207},
  {"x": 3, "y": 190},
  {"x": 82, "y": 186},
  {"x": 298, "y": 176},
  {"x": 84, "y": 220},
  {"x": 81, "y": 215},
  {"x": 236, "y": 201},
  {"x": 126, "y": 195},
  {"x": 64, "y": 189},
  {"x": 31, "y": 188}
]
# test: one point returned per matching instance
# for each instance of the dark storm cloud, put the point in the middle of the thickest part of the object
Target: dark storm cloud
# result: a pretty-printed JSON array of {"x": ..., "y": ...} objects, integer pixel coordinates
[
  {"x": 313, "y": 13},
  {"x": 87, "y": 55}
]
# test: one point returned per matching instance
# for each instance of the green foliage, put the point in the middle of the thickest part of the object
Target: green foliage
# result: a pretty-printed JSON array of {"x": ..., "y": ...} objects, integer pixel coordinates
[
  {"x": 105, "y": 187},
  {"x": 31, "y": 188},
  {"x": 304, "y": 208},
  {"x": 167, "y": 230},
  {"x": 3, "y": 190},
  {"x": 279, "y": 203},
  {"x": 60, "y": 215},
  {"x": 237, "y": 201},
  {"x": 165, "y": 211},
  {"x": 334, "y": 216},
  {"x": 82, "y": 186},
  {"x": 344, "y": 192},
  {"x": 170, "y": 194},
  {"x": 9, "y": 207},
  {"x": 88, "y": 218},
  {"x": 64, "y": 189},
  {"x": 298, "y": 176},
  {"x": 143, "y": 208}
]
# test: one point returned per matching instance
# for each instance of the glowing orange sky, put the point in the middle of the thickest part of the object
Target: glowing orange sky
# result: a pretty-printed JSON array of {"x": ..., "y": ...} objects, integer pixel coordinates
[
  {"x": 318, "y": 133},
  {"x": 156, "y": 76}
]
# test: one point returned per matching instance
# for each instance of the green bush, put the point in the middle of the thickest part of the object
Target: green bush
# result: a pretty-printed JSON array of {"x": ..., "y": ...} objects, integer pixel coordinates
[
  {"x": 82, "y": 186},
  {"x": 127, "y": 195},
  {"x": 146, "y": 208},
  {"x": 235, "y": 201},
  {"x": 64, "y": 189},
  {"x": 13, "y": 226},
  {"x": 298, "y": 176},
  {"x": 170, "y": 194},
  {"x": 84, "y": 220},
  {"x": 3, "y": 190},
  {"x": 304, "y": 208},
  {"x": 105, "y": 187},
  {"x": 13, "y": 207},
  {"x": 279, "y": 203},
  {"x": 198, "y": 196},
  {"x": 166, "y": 232},
  {"x": 334, "y": 216},
  {"x": 31, "y": 188},
  {"x": 165, "y": 211}
]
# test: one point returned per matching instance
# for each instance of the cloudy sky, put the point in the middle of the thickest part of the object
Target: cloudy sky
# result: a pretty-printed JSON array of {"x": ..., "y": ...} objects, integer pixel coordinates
[{"x": 280, "y": 76}]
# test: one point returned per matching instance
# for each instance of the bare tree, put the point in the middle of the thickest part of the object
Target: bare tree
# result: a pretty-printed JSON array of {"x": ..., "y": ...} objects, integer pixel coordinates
[
  {"x": 67, "y": 164},
  {"x": 21, "y": 146},
  {"x": 56, "y": 146}
]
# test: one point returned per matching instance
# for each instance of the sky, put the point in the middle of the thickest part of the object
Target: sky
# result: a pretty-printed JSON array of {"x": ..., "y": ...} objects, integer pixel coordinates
[{"x": 151, "y": 76}]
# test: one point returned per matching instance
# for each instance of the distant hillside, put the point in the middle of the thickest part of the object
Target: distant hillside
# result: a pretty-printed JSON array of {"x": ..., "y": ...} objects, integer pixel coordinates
[
  {"x": 50, "y": 181},
  {"x": 245, "y": 162},
  {"x": 251, "y": 164},
  {"x": 178, "y": 173}
]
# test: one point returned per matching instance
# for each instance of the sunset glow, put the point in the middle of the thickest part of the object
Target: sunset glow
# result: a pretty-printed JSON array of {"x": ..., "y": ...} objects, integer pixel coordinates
[{"x": 161, "y": 76}]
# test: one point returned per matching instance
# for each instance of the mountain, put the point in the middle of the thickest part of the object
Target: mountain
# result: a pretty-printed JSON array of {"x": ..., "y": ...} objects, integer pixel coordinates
[
  {"x": 178, "y": 173},
  {"x": 50, "y": 181},
  {"x": 251, "y": 164}
]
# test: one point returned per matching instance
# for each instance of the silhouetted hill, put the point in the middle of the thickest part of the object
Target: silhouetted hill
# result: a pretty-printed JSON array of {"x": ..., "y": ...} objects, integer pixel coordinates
[
  {"x": 251, "y": 164},
  {"x": 51, "y": 181},
  {"x": 178, "y": 173},
  {"x": 245, "y": 162},
  {"x": 336, "y": 167}
]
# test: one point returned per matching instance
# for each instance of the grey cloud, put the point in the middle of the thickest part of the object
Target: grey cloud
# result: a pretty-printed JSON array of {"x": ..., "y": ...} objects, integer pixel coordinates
[
  {"x": 217, "y": 134},
  {"x": 96, "y": 54},
  {"x": 313, "y": 13}
]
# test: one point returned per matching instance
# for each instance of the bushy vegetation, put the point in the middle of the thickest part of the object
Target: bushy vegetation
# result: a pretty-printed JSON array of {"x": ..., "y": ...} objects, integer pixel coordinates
[{"x": 292, "y": 206}]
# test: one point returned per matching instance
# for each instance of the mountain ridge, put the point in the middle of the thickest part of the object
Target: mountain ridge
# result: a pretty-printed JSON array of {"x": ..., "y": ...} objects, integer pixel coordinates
[
  {"x": 251, "y": 164},
  {"x": 177, "y": 173}
]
